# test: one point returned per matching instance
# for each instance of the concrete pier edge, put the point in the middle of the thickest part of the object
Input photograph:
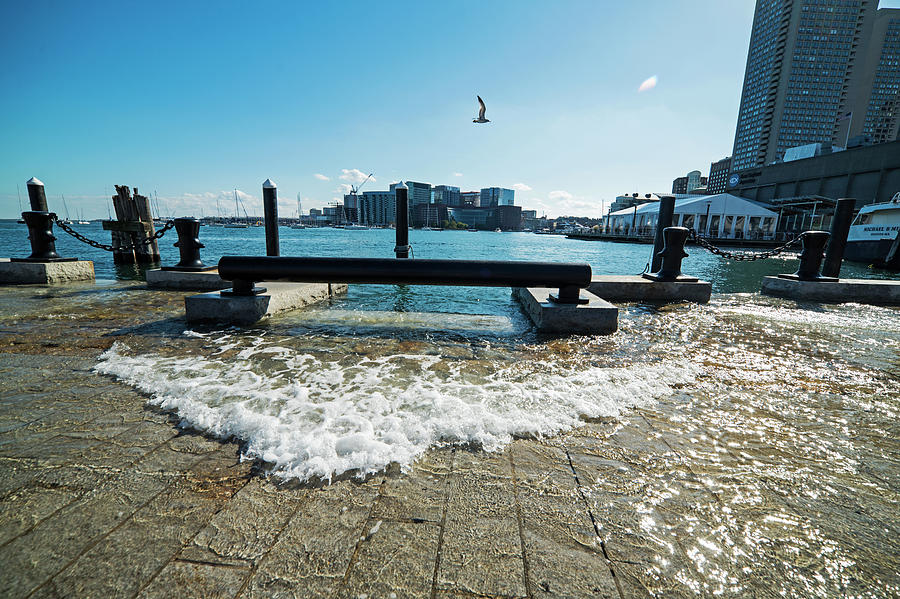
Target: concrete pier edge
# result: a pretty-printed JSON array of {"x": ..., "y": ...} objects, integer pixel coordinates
[
  {"x": 876, "y": 292},
  {"x": 44, "y": 273},
  {"x": 635, "y": 288},
  {"x": 598, "y": 316},
  {"x": 249, "y": 309},
  {"x": 158, "y": 278}
]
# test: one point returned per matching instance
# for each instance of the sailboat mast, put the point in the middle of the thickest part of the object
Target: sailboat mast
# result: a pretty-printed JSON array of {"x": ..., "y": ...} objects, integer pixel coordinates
[{"x": 19, "y": 195}]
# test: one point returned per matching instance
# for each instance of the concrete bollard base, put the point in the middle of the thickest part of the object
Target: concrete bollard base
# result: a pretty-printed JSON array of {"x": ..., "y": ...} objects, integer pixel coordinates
[
  {"x": 635, "y": 288},
  {"x": 862, "y": 291},
  {"x": 43, "y": 273},
  {"x": 597, "y": 316},
  {"x": 200, "y": 280},
  {"x": 249, "y": 309}
]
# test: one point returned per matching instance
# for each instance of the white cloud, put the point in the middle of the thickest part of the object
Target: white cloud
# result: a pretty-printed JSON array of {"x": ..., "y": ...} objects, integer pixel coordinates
[
  {"x": 521, "y": 187},
  {"x": 321, "y": 177},
  {"x": 354, "y": 175},
  {"x": 563, "y": 203},
  {"x": 560, "y": 195},
  {"x": 211, "y": 203},
  {"x": 648, "y": 84},
  {"x": 343, "y": 188},
  {"x": 457, "y": 174}
]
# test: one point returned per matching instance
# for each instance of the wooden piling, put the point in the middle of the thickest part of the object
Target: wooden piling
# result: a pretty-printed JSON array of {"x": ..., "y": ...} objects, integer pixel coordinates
[{"x": 132, "y": 227}]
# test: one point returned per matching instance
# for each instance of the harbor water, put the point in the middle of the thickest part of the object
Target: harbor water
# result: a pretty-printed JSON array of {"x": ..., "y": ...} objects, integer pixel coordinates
[{"x": 786, "y": 412}]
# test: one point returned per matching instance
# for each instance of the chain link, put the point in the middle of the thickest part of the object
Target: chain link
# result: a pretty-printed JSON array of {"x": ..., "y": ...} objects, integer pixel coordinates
[
  {"x": 743, "y": 256},
  {"x": 108, "y": 247}
]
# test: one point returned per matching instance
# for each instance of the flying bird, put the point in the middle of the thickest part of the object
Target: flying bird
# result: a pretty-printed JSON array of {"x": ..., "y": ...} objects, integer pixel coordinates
[{"x": 481, "y": 110}]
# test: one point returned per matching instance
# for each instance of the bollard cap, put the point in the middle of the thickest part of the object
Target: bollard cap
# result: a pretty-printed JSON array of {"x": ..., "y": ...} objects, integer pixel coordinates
[
  {"x": 34, "y": 181},
  {"x": 401, "y": 185},
  {"x": 269, "y": 184}
]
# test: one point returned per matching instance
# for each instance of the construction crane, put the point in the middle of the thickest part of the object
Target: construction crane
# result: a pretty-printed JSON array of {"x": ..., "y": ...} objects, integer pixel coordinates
[{"x": 354, "y": 191}]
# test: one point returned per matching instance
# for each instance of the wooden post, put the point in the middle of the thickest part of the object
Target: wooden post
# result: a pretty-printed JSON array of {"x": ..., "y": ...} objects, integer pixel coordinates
[{"x": 133, "y": 225}]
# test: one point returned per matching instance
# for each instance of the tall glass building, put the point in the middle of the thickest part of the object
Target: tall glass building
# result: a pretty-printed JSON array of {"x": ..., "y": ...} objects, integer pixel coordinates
[
  {"x": 797, "y": 82},
  {"x": 877, "y": 115},
  {"x": 497, "y": 196}
]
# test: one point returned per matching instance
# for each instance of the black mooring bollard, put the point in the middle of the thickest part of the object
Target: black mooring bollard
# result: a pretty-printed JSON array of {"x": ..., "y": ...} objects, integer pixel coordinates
[
  {"x": 270, "y": 209},
  {"x": 188, "y": 244},
  {"x": 664, "y": 220},
  {"x": 43, "y": 241},
  {"x": 36, "y": 195},
  {"x": 811, "y": 258},
  {"x": 671, "y": 256},
  {"x": 401, "y": 249},
  {"x": 837, "y": 243}
]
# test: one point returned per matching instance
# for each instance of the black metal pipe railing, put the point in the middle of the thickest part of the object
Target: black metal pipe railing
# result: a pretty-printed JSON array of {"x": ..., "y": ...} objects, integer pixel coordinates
[{"x": 569, "y": 278}]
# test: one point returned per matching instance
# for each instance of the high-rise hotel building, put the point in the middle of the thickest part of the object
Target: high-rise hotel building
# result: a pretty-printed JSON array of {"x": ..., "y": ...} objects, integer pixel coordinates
[
  {"x": 798, "y": 78},
  {"x": 876, "y": 113}
]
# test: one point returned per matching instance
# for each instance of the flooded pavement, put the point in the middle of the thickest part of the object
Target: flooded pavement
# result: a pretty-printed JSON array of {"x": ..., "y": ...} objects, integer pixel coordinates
[{"x": 744, "y": 448}]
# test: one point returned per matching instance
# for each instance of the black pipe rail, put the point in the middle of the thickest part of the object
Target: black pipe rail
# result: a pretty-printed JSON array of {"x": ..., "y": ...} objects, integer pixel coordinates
[{"x": 569, "y": 278}]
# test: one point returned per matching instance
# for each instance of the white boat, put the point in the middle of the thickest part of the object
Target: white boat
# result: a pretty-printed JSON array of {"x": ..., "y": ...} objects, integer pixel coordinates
[
  {"x": 355, "y": 227},
  {"x": 874, "y": 236}
]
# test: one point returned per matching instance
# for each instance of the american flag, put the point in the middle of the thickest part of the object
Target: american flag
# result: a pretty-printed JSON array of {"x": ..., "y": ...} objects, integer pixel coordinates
[{"x": 845, "y": 117}]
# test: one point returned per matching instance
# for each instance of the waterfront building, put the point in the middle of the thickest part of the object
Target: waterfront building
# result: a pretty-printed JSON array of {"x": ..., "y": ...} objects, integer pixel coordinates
[
  {"x": 679, "y": 185},
  {"x": 377, "y": 208},
  {"x": 718, "y": 175},
  {"x": 798, "y": 75},
  {"x": 497, "y": 196},
  {"x": 429, "y": 215},
  {"x": 488, "y": 218},
  {"x": 470, "y": 199},
  {"x": 867, "y": 173},
  {"x": 447, "y": 194},
  {"x": 721, "y": 215},
  {"x": 419, "y": 193}
]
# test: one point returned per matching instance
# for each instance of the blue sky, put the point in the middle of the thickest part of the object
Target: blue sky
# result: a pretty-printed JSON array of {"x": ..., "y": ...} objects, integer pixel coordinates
[{"x": 192, "y": 100}]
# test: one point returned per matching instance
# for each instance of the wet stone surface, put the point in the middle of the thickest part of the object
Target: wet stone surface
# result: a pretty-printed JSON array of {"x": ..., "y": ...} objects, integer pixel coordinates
[{"x": 713, "y": 491}]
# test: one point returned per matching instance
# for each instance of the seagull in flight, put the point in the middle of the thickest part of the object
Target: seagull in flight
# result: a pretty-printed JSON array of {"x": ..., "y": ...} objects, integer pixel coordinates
[{"x": 481, "y": 110}]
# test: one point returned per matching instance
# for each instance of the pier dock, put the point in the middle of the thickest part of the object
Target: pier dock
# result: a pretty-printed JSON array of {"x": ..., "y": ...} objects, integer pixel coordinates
[{"x": 102, "y": 495}]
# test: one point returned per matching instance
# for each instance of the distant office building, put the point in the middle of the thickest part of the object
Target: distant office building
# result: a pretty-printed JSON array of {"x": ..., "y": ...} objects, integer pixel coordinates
[
  {"x": 488, "y": 218},
  {"x": 429, "y": 215},
  {"x": 718, "y": 175},
  {"x": 470, "y": 199},
  {"x": 694, "y": 180},
  {"x": 419, "y": 193},
  {"x": 876, "y": 113},
  {"x": 688, "y": 183},
  {"x": 447, "y": 194},
  {"x": 798, "y": 73},
  {"x": 497, "y": 196},
  {"x": 632, "y": 200},
  {"x": 315, "y": 212},
  {"x": 377, "y": 208}
]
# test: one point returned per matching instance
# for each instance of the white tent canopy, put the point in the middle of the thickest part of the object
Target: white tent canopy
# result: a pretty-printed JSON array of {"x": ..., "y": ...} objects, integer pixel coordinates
[{"x": 719, "y": 215}]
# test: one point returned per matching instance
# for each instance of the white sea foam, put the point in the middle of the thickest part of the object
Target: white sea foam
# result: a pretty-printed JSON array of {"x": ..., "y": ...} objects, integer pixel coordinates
[{"x": 320, "y": 416}]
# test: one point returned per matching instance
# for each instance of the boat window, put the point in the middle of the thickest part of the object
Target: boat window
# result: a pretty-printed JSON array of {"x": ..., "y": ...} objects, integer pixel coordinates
[{"x": 863, "y": 219}]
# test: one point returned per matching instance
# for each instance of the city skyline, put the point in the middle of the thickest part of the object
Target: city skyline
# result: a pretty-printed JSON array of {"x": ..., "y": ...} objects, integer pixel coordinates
[{"x": 196, "y": 106}]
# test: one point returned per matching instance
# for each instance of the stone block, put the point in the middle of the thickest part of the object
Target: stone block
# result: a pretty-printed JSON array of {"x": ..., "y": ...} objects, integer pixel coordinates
[
  {"x": 174, "y": 279},
  {"x": 248, "y": 309},
  {"x": 43, "y": 273},
  {"x": 597, "y": 316},
  {"x": 635, "y": 288},
  {"x": 861, "y": 291}
]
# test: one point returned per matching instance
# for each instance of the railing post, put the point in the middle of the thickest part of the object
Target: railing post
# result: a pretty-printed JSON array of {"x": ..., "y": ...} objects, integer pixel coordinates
[
  {"x": 671, "y": 256},
  {"x": 837, "y": 243},
  {"x": 665, "y": 216},
  {"x": 811, "y": 258},
  {"x": 188, "y": 244},
  {"x": 401, "y": 249},
  {"x": 270, "y": 209}
]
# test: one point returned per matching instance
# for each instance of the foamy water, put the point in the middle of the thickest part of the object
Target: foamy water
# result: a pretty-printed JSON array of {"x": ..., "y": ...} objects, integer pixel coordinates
[{"x": 319, "y": 415}]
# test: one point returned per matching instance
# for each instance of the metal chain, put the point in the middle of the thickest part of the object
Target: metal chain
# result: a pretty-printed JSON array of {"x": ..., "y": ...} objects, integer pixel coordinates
[
  {"x": 743, "y": 256},
  {"x": 108, "y": 247}
]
